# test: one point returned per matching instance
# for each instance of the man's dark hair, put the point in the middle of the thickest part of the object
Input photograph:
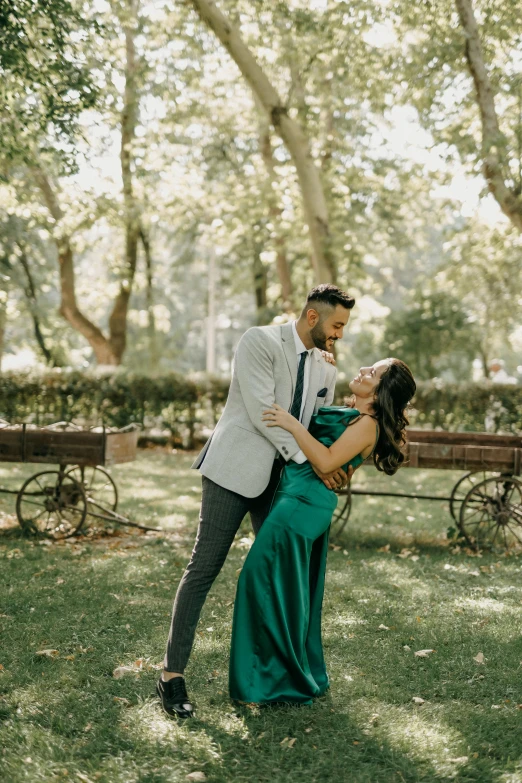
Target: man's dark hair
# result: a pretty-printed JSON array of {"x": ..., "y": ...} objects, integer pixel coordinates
[{"x": 330, "y": 295}]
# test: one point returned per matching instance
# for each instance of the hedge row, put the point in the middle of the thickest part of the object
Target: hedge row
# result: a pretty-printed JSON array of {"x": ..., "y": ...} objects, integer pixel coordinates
[{"x": 188, "y": 407}]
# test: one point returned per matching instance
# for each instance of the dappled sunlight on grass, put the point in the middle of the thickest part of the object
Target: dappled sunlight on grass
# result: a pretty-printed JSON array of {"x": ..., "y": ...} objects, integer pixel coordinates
[
  {"x": 511, "y": 777},
  {"x": 393, "y": 587},
  {"x": 416, "y": 731}
]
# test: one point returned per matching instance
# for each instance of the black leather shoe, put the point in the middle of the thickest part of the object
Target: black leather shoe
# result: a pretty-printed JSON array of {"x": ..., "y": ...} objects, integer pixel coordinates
[{"x": 174, "y": 698}]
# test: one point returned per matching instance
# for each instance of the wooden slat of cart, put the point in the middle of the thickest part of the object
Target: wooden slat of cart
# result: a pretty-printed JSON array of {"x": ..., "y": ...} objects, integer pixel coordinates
[
  {"x": 11, "y": 445},
  {"x": 464, "y": 438},
  {"x": 64, "y": 448},
  {"x": 447, "y": 456},
  {"x": 74, "y": 447}
]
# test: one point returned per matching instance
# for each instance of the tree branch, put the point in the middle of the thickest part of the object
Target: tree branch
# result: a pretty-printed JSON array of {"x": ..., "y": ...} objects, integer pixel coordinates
[
  {"x": 493, "y": 141},
  {"x": 68, "y": 306},
  {"x": 314, "y": 202}
]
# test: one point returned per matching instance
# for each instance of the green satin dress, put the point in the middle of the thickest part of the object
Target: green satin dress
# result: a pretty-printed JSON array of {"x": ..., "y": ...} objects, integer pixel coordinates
[{"x": 277, "y": 652}]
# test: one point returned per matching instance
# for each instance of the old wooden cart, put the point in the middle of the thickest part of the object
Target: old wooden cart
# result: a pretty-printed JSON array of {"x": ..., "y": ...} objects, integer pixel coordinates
[
  {"x": 55, "y": 503},
  {"x": 486, "y": 503}
]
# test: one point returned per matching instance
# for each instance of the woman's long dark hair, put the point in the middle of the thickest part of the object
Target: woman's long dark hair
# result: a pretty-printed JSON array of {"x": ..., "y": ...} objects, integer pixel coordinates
[{"x": 395, "y": 390}]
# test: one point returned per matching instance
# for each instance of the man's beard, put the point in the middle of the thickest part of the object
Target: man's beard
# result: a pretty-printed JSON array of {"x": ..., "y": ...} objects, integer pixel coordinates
[{"x": 319, "y": 337}]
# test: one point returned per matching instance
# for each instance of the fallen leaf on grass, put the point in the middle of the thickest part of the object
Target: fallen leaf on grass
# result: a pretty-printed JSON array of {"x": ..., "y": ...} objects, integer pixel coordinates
[
  {"x": 122, "y": 700},
  {"x": 307, "y": 731},
  {"x": 60, "y": 581},
  {"x": 139, "y": 665},
  {"x": 69, "y": 657},
  {"x": 423, "y": 653},
  {"x": 196, "y": 776},
  {"x": 1, "y": 667},
  {"x": 405, "y": 553},
  {"x": 479, "y": 658},
  {"x": 418, "y": 700},
  {"x": 414, "y": 558},
  {"x": 407, "y": 648},
  {"x": 292, "y": 742},
  {"x": 121, "y": 671},
  {"x": 385, "y": 548},
  {"x": 48, "y": 653},
  {"x": 383, "y": 627}
]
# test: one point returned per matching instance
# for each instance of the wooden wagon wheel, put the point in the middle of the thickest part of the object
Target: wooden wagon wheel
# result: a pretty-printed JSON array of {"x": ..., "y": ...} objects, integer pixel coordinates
[
  {"x": 99, "y": 486},
  {"x": 51, "y": 504},
  {"x": 461, "y": 489},
  {"x": 342, "y": 513},
  {"x": 491, "y": 513}
]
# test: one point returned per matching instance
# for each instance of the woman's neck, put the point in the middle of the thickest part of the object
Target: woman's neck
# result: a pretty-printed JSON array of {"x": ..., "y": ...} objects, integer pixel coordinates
[{"x": 363, "y": 404}]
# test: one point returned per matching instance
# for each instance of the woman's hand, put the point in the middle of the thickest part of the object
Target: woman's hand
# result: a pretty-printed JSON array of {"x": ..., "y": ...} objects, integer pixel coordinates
[
  {"x": 276, "y": 416},
  {"x": 329, "y": 357}
]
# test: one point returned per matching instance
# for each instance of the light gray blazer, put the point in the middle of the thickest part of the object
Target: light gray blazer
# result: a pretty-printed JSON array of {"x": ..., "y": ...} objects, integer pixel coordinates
[{"x": 240, "y": 452}]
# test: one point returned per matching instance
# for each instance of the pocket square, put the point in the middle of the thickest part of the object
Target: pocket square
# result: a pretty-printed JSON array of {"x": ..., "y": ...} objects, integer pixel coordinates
[{"x": 322, "y": 392}]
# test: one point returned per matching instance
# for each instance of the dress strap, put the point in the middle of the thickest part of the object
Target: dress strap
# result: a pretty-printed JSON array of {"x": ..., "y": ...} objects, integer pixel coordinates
[{"x": 357, "y": 418}]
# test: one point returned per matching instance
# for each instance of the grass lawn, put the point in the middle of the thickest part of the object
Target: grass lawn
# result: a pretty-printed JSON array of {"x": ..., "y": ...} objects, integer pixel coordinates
[{"x": 105, "y": 602}]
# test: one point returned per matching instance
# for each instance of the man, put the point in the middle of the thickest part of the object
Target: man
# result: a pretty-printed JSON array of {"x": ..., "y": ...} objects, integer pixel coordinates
[{"x": 242, "y": 462}]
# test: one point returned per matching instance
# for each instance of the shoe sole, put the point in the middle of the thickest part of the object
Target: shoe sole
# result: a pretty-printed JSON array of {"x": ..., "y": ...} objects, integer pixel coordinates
[{"x": 173, "y": 714}]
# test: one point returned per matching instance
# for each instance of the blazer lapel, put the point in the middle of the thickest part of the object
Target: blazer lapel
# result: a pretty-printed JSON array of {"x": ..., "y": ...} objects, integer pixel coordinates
[
  {"x": 313, "y": 386},
  {"x": 288, "y": 343}
]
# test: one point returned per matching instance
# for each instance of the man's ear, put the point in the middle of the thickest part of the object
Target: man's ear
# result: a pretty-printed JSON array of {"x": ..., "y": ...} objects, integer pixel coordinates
[{"x": 312, "y": 317}]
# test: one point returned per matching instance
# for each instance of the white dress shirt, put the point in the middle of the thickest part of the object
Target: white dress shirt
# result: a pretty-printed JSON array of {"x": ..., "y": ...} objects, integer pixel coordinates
[{"x": 299, "y": 348}]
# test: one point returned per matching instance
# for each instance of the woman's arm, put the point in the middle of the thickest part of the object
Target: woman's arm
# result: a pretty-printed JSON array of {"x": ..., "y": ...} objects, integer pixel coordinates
[{"x": 356, "y": 439}]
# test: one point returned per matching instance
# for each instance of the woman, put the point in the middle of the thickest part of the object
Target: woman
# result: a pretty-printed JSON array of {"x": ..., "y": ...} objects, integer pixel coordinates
[{"x": 276, "y": 653}]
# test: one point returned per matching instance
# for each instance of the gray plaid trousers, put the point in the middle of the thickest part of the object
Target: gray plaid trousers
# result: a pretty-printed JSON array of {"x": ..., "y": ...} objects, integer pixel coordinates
[{"x": 222, "y": 512}]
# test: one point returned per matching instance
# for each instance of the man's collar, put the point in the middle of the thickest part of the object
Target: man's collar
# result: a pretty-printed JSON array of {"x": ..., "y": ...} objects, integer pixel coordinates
[{"x": 299, "y": 345}]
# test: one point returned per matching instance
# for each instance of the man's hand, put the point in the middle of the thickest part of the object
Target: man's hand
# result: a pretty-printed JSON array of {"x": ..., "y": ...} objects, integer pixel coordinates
[{"x": 337, "y": 479}]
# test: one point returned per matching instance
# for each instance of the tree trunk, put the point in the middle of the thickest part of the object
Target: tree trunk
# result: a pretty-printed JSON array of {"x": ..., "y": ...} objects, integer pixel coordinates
[
  {"x": 275, "y": 211},
  {"x": 314, "y": 202},
  {"x": 4, "y": 294},
  {"x": 68, "y": 306},
  {"x": 493, "y": 141},
  {"x": 107, "y": 351},
  {"x": 118, "y": 317},
  {"x": 30, "y": 293},
  {"x": 151, "y": 322},
  {"x": 260, "y": 276}
]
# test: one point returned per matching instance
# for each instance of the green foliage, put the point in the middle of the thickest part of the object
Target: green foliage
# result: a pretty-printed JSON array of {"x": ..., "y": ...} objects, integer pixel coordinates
[
  {"x": 433, "y": 334},
  {"x": 114, "y": 401},
  {"x": 174, "y": 402},
  {"x": 45, "y": 81}
]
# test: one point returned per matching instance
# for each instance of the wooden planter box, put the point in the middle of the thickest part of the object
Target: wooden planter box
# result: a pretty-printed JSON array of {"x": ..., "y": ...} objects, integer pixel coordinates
[{"x": 67, "y": 447}]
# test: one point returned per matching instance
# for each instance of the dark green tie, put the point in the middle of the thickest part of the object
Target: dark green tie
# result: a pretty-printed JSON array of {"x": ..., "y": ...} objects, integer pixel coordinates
[{"x": 295, "y": 410}]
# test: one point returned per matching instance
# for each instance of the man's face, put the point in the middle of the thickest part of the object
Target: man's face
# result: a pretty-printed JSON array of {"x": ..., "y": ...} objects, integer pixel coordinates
[{"x": 325, "y": 332}]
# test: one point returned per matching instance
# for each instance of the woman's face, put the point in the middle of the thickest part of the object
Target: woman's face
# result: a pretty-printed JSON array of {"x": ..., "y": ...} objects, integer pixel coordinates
[{"x": 364, "y": 384}]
